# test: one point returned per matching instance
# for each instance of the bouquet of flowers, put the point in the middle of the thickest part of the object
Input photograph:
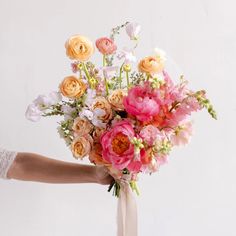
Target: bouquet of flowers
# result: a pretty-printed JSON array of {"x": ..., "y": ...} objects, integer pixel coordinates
[{"x": 120, "y": 117}]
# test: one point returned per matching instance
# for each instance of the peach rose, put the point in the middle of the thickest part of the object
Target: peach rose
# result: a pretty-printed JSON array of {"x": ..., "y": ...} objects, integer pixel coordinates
[
  {"x": 97, "y": 134},
  {"x": 72, "y": 87},
  {"x": 81, "y": 146},
  {"x": 103, "y": 104},
  {"x": 116, "y": 99},
  {"x": 81, "y": 126},
  {"x": 106, "y": 46},
  {"x": 151, "y": 65},
  {"x": 79, "y": 48}
]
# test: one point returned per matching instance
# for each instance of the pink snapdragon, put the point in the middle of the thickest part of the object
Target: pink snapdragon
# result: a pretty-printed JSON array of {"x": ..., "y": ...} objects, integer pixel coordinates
[
  {"x": 182, "y": 134},
  {"x": 149, "y": 134}
]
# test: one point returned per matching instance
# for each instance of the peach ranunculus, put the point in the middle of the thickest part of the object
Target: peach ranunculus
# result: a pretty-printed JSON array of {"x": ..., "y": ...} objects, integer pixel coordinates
[
  {"x": 81, "y": 146},
  {"x": 81, "y": 126},
  {"x": 72, "y": 87},
  {"x": 101, "y": 103},
  {"x": 106, "y": 46},
  {"x": 151, "y": 65},
  {"x": 79, "y": 48},
  {"x": 116, "y": 99}
]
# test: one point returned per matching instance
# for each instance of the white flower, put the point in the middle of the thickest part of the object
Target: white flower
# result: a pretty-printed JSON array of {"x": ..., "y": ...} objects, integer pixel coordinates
[
  {"x": 85, "y": 113},
  {"x": 96, "y": 121},
  {"x": 55, "y": 97},
  {"x": 133, "y": 30},
  {"x": 108, "y": 72},
  {"x": 160, "y": 54},
  {"x": 43, "y": 101},
  {"x": 33, "y": 113},
  {"x": 90, "y": 96},
  {"x": 127, "y": 55},
  {"x": 68, "y": 111}
]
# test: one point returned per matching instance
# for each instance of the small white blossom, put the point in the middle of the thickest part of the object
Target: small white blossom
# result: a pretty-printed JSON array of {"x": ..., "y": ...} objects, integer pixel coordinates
[
  {"x": 133, "y": 30},
  {"x": 127, "y": 55},
  {"x": 33, "y": 113}
]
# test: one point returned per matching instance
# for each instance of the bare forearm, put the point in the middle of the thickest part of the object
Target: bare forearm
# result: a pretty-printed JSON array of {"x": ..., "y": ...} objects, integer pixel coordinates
[{"x": 34, "y": 167}]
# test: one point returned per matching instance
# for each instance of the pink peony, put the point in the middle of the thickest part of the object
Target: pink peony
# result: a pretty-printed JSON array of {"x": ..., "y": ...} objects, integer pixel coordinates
[
  {"x": 117, "y": 148},
  {"x": 106, "y": 46},
  {"x": 141, "y": 103}
]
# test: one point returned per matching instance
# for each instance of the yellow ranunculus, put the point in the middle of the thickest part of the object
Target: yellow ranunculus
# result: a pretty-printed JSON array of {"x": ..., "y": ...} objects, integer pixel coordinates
[{"x": 79, "y": 48}]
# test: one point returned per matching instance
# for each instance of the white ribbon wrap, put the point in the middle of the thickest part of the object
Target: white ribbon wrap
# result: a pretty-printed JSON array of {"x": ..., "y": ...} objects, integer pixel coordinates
[{"x": 127, "y": 211}]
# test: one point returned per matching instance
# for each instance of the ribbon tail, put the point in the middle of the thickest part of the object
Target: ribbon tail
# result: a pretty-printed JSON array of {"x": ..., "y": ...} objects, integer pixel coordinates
[{"x": 126, "y": 212}]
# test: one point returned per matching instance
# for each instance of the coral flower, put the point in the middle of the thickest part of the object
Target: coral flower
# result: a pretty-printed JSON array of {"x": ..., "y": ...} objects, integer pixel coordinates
[
  {"x": 117, "y": 148},
  {"x": 106, "y": 46},
  {"x": 141, "y": 104}
]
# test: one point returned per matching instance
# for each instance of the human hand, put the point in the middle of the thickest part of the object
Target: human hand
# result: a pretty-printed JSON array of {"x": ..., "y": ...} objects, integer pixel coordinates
[{"x": 102, "y": 175}]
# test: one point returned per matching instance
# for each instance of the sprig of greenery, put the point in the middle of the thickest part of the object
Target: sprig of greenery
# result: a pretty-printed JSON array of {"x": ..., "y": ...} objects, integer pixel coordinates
[{"x": 204, "y": 102}]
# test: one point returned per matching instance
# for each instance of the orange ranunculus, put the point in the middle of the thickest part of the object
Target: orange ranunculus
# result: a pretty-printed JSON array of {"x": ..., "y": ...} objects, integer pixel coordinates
[
  {"x": 151, "y": 65},
  {"x": 79, "y": 48},
  {"x": 72, "y": 87}
]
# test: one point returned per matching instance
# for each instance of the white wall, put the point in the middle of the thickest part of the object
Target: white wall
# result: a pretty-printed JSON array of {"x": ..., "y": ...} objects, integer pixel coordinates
[{"x": 195, "y": 193}]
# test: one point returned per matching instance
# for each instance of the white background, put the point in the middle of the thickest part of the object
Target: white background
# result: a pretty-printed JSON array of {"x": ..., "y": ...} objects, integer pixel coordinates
[{"x": 194, "y": 194}]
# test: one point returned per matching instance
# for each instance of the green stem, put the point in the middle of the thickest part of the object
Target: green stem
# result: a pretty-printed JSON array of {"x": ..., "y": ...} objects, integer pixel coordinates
[
  {"x": 104, "y": 61},
  {"x": 107, "y": 88},
  {"x": 85, "y": 69},
  {"x": 127, "y": 79},
  {"x": 120, "y": 76}
]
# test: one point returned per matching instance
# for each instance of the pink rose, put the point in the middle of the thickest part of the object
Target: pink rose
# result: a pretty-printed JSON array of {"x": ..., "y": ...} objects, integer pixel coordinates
[
  {"x": 141, "y": 103},
  {"x": 106, "y": 46}
]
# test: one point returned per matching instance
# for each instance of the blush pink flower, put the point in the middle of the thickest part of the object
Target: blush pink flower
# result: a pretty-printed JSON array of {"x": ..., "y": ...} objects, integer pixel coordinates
[
  {"x": 149, "y": 134},
  {"x": 182, "y": 134},
  {"x": 141, "y": 104},
  {"x": 106, "y": 46},
  {"x": 116, "y": 145}
]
